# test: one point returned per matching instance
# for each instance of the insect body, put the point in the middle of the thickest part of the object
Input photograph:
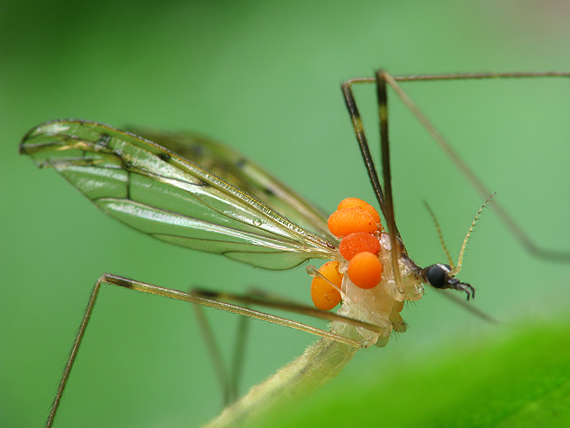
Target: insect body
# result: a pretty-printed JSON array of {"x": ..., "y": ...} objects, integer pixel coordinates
[
  {"x": 196, "y": 193},
  {"x": 163, "y": 193}
]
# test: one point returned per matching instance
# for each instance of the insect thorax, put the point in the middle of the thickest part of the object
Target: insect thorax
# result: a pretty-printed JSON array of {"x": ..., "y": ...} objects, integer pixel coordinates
[{"x": 381, "y": 305}]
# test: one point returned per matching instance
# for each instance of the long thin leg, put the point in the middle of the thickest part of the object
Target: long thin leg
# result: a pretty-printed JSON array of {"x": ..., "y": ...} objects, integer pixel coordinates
[
  {"x": 229, "y": 379},
  {"x": 518, "y": 232},
  {"x": 271, "y": 301},
  {"x": 384, "y": 196},
  {"x": 236, "y": 368},
  {"x": 203, "y": 299},
  {"x": 395, "y": 239},
  {"x": 363, "y": 143},
  {"x": 73, "y": 354},
  {"x": 215, "y": 355}
]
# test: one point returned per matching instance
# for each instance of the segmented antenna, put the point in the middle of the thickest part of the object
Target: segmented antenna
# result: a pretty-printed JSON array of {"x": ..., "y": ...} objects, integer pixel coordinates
[
  {"x": 440, "y": 235},
  {"x": 456, "y": 270}
]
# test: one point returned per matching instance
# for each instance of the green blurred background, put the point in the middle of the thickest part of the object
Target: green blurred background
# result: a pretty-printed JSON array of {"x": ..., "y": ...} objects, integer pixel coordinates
[{"x": 264, "y": 77}]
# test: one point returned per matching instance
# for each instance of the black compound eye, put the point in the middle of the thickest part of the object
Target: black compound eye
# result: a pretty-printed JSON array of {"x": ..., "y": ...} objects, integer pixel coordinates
[{"x": 437, "y": 275}]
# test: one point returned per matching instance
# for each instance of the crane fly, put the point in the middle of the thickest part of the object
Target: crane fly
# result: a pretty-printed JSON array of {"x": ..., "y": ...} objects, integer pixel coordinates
[{"x": 197, "y": 193}]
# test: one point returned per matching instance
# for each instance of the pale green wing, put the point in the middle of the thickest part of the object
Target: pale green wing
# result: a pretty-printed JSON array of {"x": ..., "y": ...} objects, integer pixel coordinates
[
  {"x": 159, "y": 192},
  {"x": 235, "y": 169}
]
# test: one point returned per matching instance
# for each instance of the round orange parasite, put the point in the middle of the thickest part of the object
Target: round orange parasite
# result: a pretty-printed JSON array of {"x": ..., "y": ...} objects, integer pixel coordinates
[
  {"x": 365, "y": 270},
  {"x": 358, "y": 242},
  {"x": 325, "y": 296},
  {"x": 355, "y": 202},
  {"x": 350, "y": 220},
  {"x": 354, "y": 215}
]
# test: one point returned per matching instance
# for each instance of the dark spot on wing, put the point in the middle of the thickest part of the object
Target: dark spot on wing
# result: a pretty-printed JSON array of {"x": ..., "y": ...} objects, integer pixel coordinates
[
  {"x": 200, "y": 183},
  {"x": 128, "y": 185},
  {"x": 88, "y": 159},
  {"x": 241, "y": 163},
  {"x": 103, "y": 140},
  {"x": 268, "y": 191},
  {"x": 164, "y": 156}
]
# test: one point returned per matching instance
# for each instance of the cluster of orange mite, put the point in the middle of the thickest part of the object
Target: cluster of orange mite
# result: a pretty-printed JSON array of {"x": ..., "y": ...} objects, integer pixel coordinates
[{"x": 358, "y": 224}]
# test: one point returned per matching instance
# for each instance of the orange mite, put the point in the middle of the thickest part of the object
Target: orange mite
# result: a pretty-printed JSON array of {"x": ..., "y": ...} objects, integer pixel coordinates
[
  {"x": 324, "y": 295},
  {"x": 365, "y": 270},
  {"x": 355, "y": 202},
  {"x": 358, "y": 242}
]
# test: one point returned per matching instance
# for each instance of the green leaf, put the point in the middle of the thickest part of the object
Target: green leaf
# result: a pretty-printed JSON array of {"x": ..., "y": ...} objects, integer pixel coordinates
[{"x": 520, "y": 379}]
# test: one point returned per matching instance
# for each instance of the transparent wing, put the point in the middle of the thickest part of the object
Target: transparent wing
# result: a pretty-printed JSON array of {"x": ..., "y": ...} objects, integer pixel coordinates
[
  {"x": 235, "y": 169},
  {"x": 159, "y": 192}
]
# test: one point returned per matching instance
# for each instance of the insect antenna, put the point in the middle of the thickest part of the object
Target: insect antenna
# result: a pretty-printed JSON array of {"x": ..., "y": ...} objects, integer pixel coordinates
[
  {"x": 460, "y": 258},
  {"x": 440, "y": 235},
  {"x": 456, "y": 269}
]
